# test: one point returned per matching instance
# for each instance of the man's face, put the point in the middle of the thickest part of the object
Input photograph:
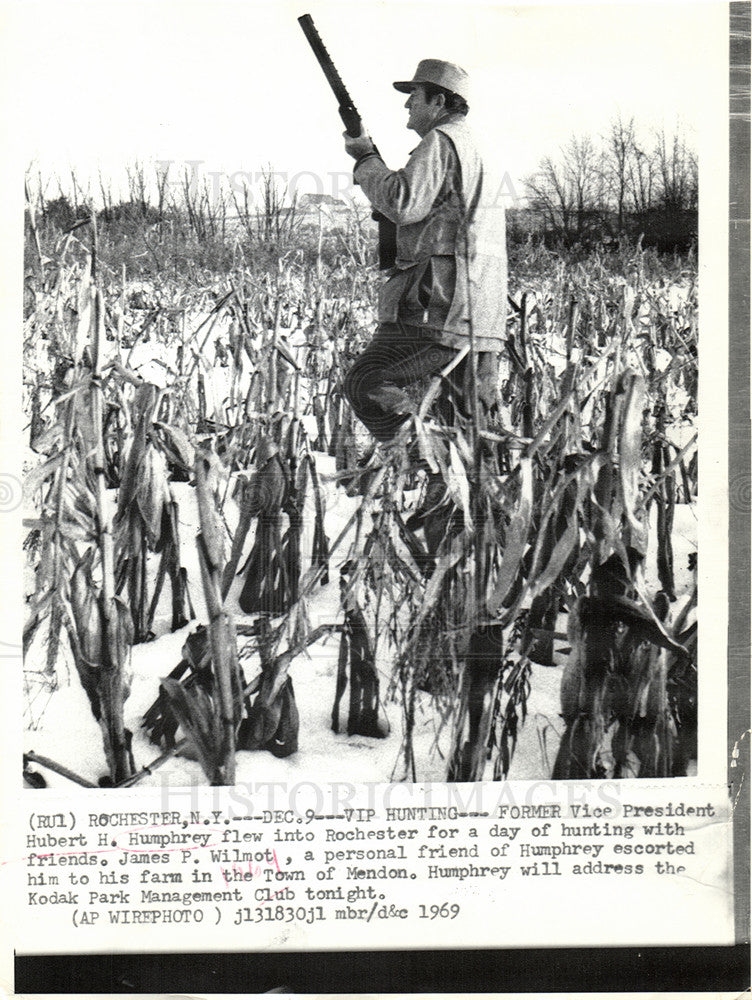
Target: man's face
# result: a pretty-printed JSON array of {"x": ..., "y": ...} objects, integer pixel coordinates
[{"x": 423, "y": 114}]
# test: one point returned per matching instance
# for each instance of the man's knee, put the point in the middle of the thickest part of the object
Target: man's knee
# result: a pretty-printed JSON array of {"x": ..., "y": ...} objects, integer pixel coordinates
[
  {"x": 357, "y": 383},
  {"x": 347, "y": 385}
]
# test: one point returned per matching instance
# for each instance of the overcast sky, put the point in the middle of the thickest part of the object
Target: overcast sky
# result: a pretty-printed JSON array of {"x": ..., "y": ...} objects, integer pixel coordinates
[{"x": 99, "y": 84}]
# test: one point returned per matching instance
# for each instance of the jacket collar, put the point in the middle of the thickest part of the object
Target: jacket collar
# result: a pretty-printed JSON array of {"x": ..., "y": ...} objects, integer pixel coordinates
[
  {"x": 447, "y": 118},
  {"x": 450, "y": 116}
]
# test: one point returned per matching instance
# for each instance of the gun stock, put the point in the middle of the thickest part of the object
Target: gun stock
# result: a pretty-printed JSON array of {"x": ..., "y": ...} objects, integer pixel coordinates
[{"x": 353, "y": 126}]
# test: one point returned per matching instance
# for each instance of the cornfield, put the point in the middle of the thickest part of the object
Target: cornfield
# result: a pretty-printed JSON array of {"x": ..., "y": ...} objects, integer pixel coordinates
[{"x": 194, "y": 499}]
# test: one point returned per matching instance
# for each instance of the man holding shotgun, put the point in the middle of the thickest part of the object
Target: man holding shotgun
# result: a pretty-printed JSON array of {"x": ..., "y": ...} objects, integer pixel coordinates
[{"x": 446, "y": 294}]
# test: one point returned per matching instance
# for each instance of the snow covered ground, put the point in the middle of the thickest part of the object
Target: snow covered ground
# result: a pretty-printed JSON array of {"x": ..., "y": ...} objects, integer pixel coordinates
[{"x": 322, "y": 755}]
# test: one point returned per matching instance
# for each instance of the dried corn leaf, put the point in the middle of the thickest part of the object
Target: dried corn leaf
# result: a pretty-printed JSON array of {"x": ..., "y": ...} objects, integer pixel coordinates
[
  {"x": 208, "y": 521},
  {"x": 85, "y": 311},
  {"x": 152, "y": 492},
  {"x": 76, "y": 532},
  {"x": 516, "y": 538},
  {"x": 425, "y": 445},
  {"x": 36, "y": 478},
  {"x": 177, "y": 446},
  {"x": 561, "y": 552},
  {"x": 446, "y": 561},
  {"x": 644, "y": 622},
  {"x": 630, "y": 452},
  {"x": 50, "y": 438},
  {"x": 459, "y": 486},
  {"x": 284, "y": 351},
  {"x": 195, "y": 712},
  {"x": 131, "y": 476}
]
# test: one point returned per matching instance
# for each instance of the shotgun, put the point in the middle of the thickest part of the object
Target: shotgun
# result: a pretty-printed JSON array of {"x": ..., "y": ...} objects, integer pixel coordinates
[{"x": 353, "y": 125}]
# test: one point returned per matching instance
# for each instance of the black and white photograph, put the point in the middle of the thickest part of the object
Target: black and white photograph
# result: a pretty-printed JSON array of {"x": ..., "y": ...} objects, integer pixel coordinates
[{"x": 366, "y": 454}]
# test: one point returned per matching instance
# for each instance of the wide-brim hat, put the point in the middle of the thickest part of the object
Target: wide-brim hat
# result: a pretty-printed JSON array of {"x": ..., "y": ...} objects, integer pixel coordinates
[{"x": 442, "y": 74}]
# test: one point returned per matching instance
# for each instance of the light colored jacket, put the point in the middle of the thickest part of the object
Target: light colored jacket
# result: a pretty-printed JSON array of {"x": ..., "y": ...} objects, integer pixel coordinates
[{"x": 451, "y": 265}]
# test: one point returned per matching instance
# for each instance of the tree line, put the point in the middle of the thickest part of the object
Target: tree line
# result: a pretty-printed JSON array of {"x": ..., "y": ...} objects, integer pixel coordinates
[
  {"x": 624, "y": 185},
  {"x": 616, "y": 188}
]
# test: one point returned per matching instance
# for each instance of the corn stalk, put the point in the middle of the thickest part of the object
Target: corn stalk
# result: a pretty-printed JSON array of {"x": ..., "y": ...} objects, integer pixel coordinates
[
  {"x": 114, "y": 635},
  {"x": 218, "y": 756}
]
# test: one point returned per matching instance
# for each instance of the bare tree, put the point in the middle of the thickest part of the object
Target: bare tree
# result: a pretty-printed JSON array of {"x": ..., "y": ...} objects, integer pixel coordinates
[
  {"x": 620, "y": 153},
  {"x": 162, "y": 171},
  {"x": 583, "y": 171},
  {"x": 568, "y": 190},
  {"x": 642, "y": 180},
  {"x": 677, "y": 169},
  {"x": 106, "y": 192},
  {"x": 550, "y": 195},
  {"x": 620, "y": 183},
  {"x": 137, "y": 187}
]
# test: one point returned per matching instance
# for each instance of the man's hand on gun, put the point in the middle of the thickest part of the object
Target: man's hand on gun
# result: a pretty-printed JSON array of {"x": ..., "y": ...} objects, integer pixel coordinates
[{"x": 360, "y": 145}]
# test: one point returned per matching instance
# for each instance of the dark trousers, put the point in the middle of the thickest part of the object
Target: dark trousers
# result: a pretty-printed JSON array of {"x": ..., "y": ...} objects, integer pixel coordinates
[{"x": 399, "y": 356}]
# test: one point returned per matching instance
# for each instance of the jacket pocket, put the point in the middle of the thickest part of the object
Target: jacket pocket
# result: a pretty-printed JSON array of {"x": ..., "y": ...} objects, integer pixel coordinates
[
  {"x": 416, "y": 294},
  {"x": 392, "y": 295},
  {"x": 420, "y": 294},
  {"x": 432, "y": 289}
]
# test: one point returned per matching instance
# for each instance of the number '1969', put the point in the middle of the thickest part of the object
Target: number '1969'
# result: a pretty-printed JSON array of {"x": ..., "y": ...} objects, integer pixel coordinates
[{"x": 442, "y": 911}]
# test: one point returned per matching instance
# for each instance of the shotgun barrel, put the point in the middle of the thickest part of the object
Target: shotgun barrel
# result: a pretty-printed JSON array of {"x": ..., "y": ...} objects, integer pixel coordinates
[
  {"x": 353, "y": 125},
  {"x": 347, "y": 110}
]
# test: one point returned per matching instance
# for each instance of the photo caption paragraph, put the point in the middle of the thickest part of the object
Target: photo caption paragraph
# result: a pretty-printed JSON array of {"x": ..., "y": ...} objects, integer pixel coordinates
[{"x": 375, "y": 866}]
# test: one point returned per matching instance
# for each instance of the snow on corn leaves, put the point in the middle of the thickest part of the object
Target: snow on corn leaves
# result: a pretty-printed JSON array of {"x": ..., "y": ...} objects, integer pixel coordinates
[
  {"x": 146, "y": 518},
  {"x": 471, "y": 555}
]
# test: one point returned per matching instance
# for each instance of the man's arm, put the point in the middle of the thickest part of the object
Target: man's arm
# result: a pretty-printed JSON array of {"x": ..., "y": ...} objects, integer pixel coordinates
[{"x": 407, "y": 195}]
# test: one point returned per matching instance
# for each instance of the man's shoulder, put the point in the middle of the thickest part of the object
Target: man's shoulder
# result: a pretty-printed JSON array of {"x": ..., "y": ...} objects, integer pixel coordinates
[
  {"x": 457, "y": 125},
  {"x": 459, "y": 135},
  {"x": 434, "y": 148},
  {"x": 443, "y": 140}
]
